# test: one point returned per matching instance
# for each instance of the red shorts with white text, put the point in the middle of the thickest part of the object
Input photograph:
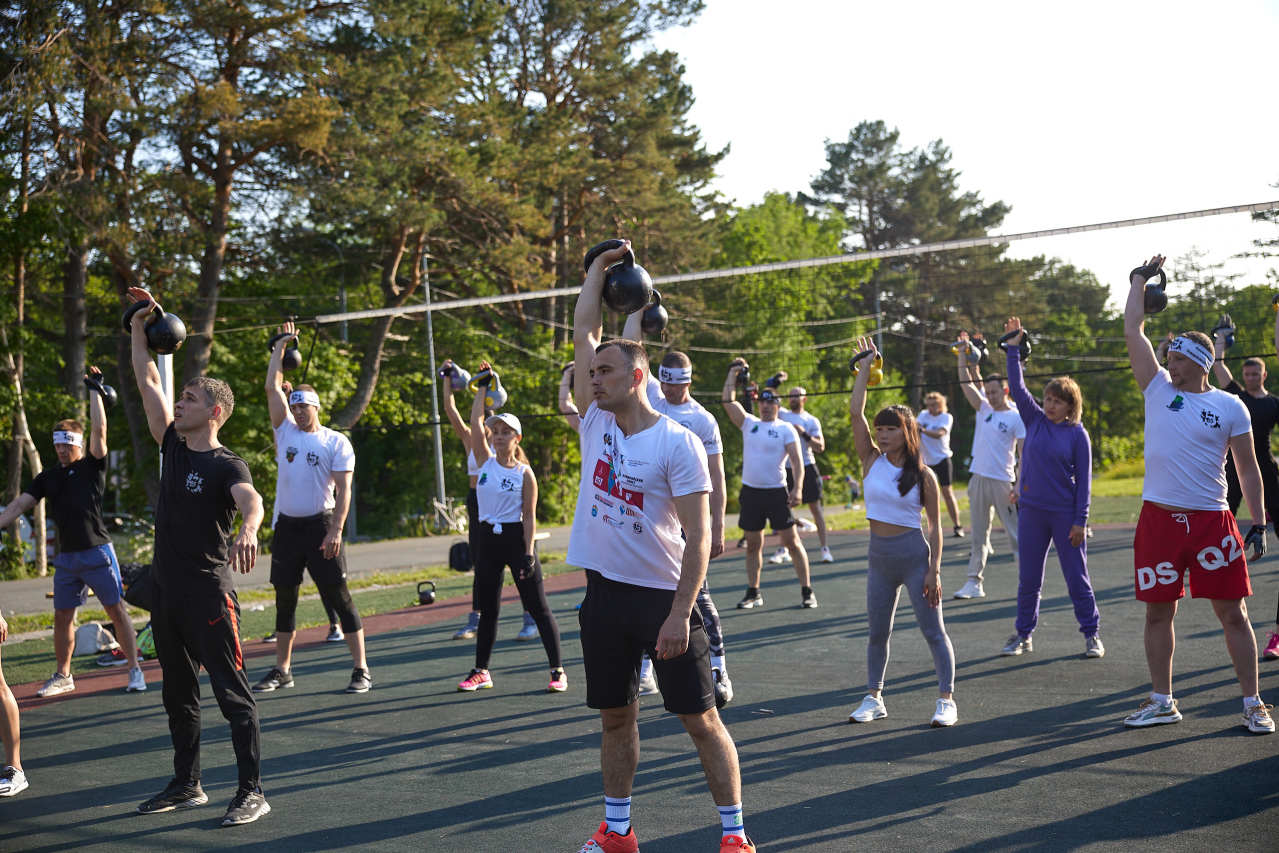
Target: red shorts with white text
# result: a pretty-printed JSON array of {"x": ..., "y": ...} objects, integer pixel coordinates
[{"x": 1206, "y": 543}]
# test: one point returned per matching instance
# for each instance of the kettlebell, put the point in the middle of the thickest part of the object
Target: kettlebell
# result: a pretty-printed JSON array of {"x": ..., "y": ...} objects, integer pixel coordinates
[
  {"x": 292, "y": 357},
  {"x": 1227, "y": 327},
  {"x": 1274, "y": 303},
  {"x": 165, "y": 331},
  {"x": 876, "y": 366},
  {"x": 458, "y": 378},
  {"x": 109, "y": 395},
  {"x": 1023, "y": 348},
  {"x": 776, "y": 380},
  {"x": 653, "y": 320},
  {"x": 1156, "y": 299},
  {"x": 494, "y": 393},
  {"x": 744, "y": 377},
  {"x": 426, "y": 592},
  {"x": 627, "y": 285}
]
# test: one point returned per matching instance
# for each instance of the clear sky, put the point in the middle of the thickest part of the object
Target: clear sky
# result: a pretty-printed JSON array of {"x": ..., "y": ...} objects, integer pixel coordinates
[{"x": 1070, "y": 113}]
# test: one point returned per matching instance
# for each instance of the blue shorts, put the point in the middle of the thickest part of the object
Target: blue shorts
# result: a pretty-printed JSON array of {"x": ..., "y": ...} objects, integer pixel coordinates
[{"x": 96, "y": 568}]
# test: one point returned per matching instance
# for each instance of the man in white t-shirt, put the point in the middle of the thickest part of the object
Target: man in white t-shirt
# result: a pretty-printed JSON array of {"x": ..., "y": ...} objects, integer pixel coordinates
[
  {"x": 768, "y": 442},
  {"x": 992, "y": 486},
  {"x": 935, "y": 425},
  {"x": 641, "y": 531},
  {"x": 1186, "y": 526},
  {"x": 312, "y": 498},
  {"x": 809, "y": 429}
]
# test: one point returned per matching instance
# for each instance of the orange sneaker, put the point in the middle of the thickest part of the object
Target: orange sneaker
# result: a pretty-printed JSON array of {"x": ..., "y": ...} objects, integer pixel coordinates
[
  {"x": 736, "y": 844},
  {"x": 604, "y": 841}
]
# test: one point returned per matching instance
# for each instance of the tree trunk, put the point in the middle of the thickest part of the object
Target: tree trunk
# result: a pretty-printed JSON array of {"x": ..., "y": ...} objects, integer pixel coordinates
[
  {"x": 199, "y": 342},
  {"x": 144, "y": 449},
  {"x": 75, "y": 320}
]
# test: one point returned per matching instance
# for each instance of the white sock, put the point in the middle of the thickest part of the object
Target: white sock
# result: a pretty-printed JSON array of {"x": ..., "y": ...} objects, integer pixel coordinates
[
  {"x": 646, "y": 668},
  {"x": 1161, "y": 698},
  {"x": 1250, "y": 701},
  {"x": 617, "y": 814},
  {"x": 717, "y": 662}
]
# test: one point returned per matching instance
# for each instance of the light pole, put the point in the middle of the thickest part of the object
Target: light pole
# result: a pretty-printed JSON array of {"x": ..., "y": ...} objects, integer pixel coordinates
[{"x": 435, "y": 398}]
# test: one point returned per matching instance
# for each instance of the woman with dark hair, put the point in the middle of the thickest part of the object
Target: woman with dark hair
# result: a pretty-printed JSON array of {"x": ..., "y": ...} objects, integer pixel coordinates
[
  {"x": 896, "y": 487},
  {"x": 1055, "y": 489}
]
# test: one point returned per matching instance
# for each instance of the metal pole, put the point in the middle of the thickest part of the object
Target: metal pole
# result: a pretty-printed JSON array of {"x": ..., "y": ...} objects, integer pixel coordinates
[{"x": 435, "y": 397}]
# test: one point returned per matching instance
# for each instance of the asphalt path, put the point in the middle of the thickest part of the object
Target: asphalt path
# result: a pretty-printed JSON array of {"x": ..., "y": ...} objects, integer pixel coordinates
[{"x": 1038, "y": 762}]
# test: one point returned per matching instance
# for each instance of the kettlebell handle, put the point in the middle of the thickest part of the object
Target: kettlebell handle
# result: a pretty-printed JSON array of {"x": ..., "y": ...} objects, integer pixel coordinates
[
  {"x": 127, "y": 319},
  {"x": 277, "y": 337},
  {"x": 853, "y": 362},
  {"x": 1148, "y": 272},
  {"x": 598, "y": 249}
]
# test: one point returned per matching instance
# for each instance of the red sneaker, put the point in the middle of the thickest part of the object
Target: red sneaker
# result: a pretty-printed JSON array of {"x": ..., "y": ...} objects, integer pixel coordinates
[
  {"x": 1272, "y": 647},
  {"x": 477, "y": 680},
  {"x": 604, "y": 841},
  {"x": 736, "y": 844}
]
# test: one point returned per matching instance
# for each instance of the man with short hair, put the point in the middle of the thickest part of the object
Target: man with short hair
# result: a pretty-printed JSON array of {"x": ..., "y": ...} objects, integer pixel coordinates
[
  {"x": 196, "y": 619},
  {"x": 992, "y": 485},
  {"x": 86, "y": 558},
  {"x": 809, "y": 429},
  {"x": 767, "y": 443},
  {"x": 1185, "y": 524},
  {"x": 312, "y": 498},
  {"x": 1263, "y": 410},
  {"x": 641, "y": 531}
]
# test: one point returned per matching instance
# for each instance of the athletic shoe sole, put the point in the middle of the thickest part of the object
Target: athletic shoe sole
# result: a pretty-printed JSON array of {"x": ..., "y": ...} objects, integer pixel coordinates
[
  {"x": 750, "y": 604},
  {"x": 1152, "y": 721},
  {"x": 184, "y": 804}
]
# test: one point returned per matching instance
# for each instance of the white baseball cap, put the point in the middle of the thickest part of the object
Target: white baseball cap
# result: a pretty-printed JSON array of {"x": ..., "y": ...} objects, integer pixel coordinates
[{"x": 507, "y": 418}]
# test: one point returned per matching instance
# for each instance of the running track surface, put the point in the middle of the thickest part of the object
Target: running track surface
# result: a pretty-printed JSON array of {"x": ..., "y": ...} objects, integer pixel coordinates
[{"x": 1039, "y": 761}]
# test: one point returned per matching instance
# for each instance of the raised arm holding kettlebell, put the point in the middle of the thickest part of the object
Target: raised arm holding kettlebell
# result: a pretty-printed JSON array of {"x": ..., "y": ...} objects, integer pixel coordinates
[{"x": 277, "y": 402}]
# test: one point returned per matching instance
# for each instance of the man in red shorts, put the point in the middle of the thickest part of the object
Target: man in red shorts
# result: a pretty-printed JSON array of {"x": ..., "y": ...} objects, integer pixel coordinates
[{"x": 1185, "y": 523}]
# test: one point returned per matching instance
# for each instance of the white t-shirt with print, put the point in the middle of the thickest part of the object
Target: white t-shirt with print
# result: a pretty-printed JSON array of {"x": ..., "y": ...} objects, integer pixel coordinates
[
  {"x": 1186, "y": 440},
  {"x": 500, "y": 492},
  {"x": 691, "y": 415},
  {"x": 995, "y": 442},
  {"x": 764, "y": 452},
  {"x": 809, "y": 424},
  {"x": 625, "y": 526},
  {"x": 934, "y": 450},
  {"x": 306, "y": 462}
]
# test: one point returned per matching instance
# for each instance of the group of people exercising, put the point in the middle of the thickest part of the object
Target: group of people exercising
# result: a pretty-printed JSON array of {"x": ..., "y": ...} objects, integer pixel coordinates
[{"x": 650, "y": 515}]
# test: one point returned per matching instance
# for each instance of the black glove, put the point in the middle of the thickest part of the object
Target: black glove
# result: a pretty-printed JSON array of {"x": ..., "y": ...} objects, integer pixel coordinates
[
  {"x": 1256, "y": 539},
  {"x": 1147, "y": 271},
  {"x": 530, "y": 565}
]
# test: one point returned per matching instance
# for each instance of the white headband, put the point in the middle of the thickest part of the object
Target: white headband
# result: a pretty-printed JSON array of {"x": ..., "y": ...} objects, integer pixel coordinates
[
  {"x": 1193, "y": 350},
  {"x": 309, "y": 398},
  {"x": 61, "y": 436},
  {"x": 675, "y": 375}
]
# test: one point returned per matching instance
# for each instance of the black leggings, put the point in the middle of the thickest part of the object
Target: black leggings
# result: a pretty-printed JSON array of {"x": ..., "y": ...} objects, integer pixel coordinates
[
  {"x": 473, "y": 539},
  {"x": 497, "y": 552},
  {"x": 1270, "y": 494},
  {"x": 337, "y": 602}
]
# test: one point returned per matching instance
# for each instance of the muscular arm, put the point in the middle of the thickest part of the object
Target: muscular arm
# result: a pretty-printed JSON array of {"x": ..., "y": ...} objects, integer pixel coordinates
[
  {"x": 97, "y": 426},
  {"x": 341, "y": 507},
  {"x": 479, "y": 441},
  {"x": 460, "y": 427},
  {"x": 796, "y": 458},
  {"x": 728, "y": 397},
  {"x": 244, "y": 550},
  {"x": 154, "y": 401},
  {"x": 694, "y": 516},
  {"x": 1141, "y": 355},
  {"x": 588, "y": 323},
  {"x": 1249, "y": 475},
  {"x": 566, "y": 406},
  {"x": 816, "y": 443},
  {"x": 19, "y": 506},
  {"x": 719, "y": 499},
  {"x": 968, "y": 379},
  {"x": 1219, "y": 368},
  {"x": 277, "y": 403},
  {"x": 632, "y": 331}
]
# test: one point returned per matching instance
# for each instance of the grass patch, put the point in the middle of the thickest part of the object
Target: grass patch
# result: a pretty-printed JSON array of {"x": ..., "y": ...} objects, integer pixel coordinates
[{"x": 32, "y": 660}]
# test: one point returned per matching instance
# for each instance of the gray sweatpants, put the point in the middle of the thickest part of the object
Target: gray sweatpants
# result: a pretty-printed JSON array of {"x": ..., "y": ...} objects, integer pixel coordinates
[
  {"x": 897, "y": 561},
  {"x": 987, "y": 498}
]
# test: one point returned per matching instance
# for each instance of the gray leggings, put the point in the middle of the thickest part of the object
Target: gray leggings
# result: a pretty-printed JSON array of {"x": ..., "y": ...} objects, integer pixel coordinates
[{"x": 897, "y": 561}]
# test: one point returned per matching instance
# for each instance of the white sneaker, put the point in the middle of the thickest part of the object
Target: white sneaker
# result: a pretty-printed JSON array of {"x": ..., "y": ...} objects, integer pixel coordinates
[
  {"x": 335, "y": 635},
  {"x": 648, "y": 685},
  {"x": 805, "y": 526},
  {"x": 1093, "y": 647},
  {"x": 947, "y": 714},
  {"x": 1258, "y": 719},
  {"x": 781, "y": 555},
  {"x": 871, "y": 708},
  {"x": 12, "y": 781},
  {"x": 971, "y": 589},
  {"x": 56, "y": 685},
  {"x": 137, "y": 681},
  {"x": 827, "y": 556}
]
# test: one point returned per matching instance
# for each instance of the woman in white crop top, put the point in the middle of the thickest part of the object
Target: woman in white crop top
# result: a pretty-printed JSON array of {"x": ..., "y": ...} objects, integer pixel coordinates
[
  {"x": 897, "y": 486},
  {"x": 506, "y": 492}
]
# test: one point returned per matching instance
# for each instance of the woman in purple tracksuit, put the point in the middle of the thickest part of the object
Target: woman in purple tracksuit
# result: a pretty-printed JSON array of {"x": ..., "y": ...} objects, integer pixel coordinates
[{"x": 1055, "y": 488}]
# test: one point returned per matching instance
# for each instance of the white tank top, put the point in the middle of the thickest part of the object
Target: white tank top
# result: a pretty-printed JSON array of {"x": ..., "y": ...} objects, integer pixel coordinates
[
  {"x": 883, "y": 502},
  {"x": 500, "y": 492}
]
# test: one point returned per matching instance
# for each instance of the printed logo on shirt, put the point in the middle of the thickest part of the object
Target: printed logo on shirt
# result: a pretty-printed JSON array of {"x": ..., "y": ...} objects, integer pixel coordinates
[
  {"x": 988, "y": 417},
  {"x": 195, "y": 483},
  {"x": 1177, "y": 404},
  {"x": 1210, "y": 419},
  {"x": 1003, "y": 427},
  {"x": 313, "y": 459},
  {"x": 755, "y": 429},
  {"x": 606, "y": 482},
  {"x": 290, "y": 452},
  {"x": 484, "y": 478},
  {"x": 638, "y": 528},
  {"x": 772, "y": 433},
  {"x": 507, "y": 484}
]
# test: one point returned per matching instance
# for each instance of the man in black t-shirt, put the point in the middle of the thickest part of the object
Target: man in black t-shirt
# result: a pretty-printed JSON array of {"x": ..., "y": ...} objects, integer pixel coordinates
[
  {"x": 86, "y": 559},
  {"x": 1263, "y": 408},
  {"x": 196, "y": 616}
]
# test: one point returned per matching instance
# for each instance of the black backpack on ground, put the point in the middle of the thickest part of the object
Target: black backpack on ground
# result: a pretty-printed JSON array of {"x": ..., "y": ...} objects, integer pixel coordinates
[{"x": 460, "y": 557}]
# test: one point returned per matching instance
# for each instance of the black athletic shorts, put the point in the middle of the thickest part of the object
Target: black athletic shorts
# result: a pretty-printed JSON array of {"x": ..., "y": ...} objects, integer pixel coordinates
[
  {"x": 759, "y": 505},
  {"x": 812, "y": 491},
  {"x": 945, "y": 471},
  {"x": 619, "y": 622},
  {"x": 295, "y": 544}
]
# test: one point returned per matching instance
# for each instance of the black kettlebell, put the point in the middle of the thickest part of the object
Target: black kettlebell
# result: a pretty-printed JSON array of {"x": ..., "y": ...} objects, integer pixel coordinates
[
  {"x": 1156, "y": 299},
  {"x": 109, "y": 395},
  {"x": 627, "y": 285},
  {"x": 426, "y": 592},
  {"x": 292, "y": 357},
  {"x": 1023, "y": 348},
  {"x": 165, "y": 331},
  {"x": 1226, "y": 326},
  {"x": 654, "y": 319},
  {"x": 744, "y": 376},
  {"x": 776, "y": 380}
]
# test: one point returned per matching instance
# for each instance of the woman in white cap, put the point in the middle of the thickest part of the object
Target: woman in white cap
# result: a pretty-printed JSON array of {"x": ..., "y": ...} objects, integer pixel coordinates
[{"x": 507, "y": 492}]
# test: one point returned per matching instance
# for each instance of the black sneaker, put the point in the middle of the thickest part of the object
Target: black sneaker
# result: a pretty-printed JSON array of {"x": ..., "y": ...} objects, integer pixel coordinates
[
  {"x": 808, "y": 599},
  {"x": 176, "y": 795},
  {"x": 276, "y": 679},
  {"x": 246, "y": 807},
  {"x": 361, "y": 681},
  {"x": 751, "y": 601}
]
